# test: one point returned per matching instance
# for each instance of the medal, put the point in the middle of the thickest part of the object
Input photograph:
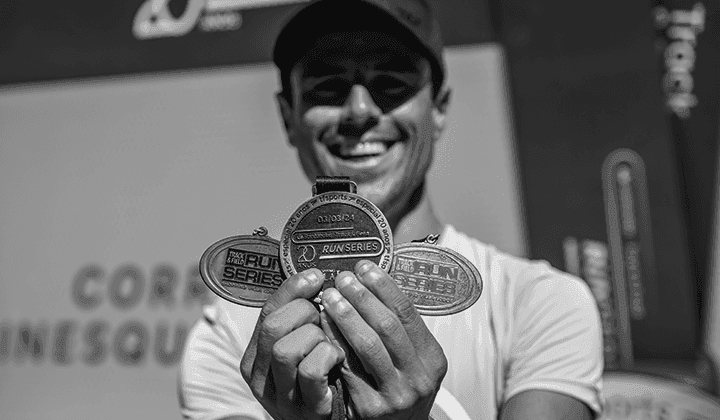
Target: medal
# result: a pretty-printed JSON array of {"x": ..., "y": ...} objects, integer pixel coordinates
[
  {"x": 334, "y": 230},
  {"x": 243, "y": 269},
  {"x": 438, "y": 280}
]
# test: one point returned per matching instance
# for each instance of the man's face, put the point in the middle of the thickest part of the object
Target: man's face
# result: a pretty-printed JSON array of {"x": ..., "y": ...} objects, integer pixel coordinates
[{"x": 362, "y": 107}]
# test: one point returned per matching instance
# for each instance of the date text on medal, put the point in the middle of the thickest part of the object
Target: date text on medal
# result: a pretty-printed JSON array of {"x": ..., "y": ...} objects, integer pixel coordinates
[{"x": 334, "y": 218}]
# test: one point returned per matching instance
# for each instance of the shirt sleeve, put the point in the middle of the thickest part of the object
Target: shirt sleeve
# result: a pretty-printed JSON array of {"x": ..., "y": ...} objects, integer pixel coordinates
[
  {"x": 556, "y": 337},
  {"x": 210, "y": 385}
]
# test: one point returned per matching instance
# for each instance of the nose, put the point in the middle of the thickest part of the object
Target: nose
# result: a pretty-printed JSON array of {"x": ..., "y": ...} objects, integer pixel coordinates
[{"x": 360, "y": 111}]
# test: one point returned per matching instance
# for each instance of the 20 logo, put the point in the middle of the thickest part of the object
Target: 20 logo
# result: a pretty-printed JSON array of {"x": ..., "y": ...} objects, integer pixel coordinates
[
  {"x": 155, "y": 20},
  {"x": 307, "y": 254}
]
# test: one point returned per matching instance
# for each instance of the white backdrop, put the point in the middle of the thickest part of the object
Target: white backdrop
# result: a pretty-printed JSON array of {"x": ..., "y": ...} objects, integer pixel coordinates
[{"x": 116, "y": 187}]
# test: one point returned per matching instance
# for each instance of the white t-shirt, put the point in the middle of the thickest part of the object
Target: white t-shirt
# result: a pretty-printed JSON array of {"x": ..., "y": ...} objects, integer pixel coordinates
[{"x": 534, "y": 327}]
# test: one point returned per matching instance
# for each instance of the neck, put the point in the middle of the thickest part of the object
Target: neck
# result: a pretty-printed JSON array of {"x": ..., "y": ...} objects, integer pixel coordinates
[{"x": 417, "y": 220}]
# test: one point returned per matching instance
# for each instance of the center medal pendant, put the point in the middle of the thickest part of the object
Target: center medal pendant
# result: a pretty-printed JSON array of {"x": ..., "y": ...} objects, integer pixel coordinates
[{"x": 334, "y": 230}]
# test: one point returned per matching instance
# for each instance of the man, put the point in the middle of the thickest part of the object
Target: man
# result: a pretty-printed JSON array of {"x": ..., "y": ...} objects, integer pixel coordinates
[{"x": 363, "y": 95}]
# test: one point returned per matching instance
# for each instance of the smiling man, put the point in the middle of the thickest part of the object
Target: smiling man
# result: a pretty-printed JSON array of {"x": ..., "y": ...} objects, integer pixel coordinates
[{"x": 363, "y": 95}]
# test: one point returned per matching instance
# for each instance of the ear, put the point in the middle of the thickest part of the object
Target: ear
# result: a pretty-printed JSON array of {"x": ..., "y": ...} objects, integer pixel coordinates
[
  {"x": 440, "y": 107},
  {"x": 286, "y": 114}
]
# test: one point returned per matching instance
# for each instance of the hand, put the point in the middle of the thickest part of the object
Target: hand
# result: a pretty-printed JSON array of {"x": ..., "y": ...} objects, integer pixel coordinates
[
  {"x": 287, "y": 361},
  {"x": 394, "y": 366}
]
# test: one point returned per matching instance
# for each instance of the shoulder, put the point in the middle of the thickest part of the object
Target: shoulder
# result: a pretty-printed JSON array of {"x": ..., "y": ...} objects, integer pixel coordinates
[
  {"x": 545, "y": 323},
  {"x": 223, "y": 331},
  {"x": 528, "y": 281},
  {"x": 209, "y": 381},
  {"x": 513, "y": 279}
]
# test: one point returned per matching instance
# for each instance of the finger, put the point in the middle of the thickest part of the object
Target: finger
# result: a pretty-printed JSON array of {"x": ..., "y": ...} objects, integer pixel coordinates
[
  {"x": 278, "y": 324},
  {"x": 380, "y": 318},
  {"x": 333, "y": 333},
  {"x": 313, "y": 373},
  {"x": 360, "y": 336},
  {"x": 384, "y": 287},
  {"x": 335, "y": 336},
  {"x": 299, "y": 286},
  {"x": 361, "y": 386},
  {"x": 287, "y": 353},
  {"x": 352, "y": 368},
  {"x": 303, "y": 285}
]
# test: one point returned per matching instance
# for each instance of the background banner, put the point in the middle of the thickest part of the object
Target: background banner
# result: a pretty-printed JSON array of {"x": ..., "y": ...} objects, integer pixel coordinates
[
  {"x": 634, "y": 396},
  {"x": 606, "y": 150},
  {"x": 687, "y": 44},
  {"x": 82, "y": 38}
]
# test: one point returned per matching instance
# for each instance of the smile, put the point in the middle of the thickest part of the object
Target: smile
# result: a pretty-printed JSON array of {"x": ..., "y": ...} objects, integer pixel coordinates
[
  {"x": 365, "y": 159},
  {"x": 360, "y": 151}
]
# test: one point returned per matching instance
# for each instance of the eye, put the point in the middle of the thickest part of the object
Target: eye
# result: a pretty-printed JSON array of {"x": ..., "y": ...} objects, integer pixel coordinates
[
  {"x": 389, "y": 85},
  {"x": 328, "y": 91}
]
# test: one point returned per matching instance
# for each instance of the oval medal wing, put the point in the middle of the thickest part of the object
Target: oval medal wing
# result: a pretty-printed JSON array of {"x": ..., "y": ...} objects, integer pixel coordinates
[
  {"x": 243, "y": 269},
  {"x": 438, "y": 280}
]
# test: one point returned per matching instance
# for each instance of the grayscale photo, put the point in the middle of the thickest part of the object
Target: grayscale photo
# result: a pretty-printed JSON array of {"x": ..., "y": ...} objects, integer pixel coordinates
[{"x": 360, "y": 210}]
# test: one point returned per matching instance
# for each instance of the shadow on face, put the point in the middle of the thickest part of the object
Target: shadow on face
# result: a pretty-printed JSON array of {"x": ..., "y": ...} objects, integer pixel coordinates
[{"x": 362, "y": 107}]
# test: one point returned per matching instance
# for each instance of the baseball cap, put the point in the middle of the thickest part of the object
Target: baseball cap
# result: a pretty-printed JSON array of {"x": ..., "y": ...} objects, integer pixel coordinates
[{"x": 411, "y": 20}]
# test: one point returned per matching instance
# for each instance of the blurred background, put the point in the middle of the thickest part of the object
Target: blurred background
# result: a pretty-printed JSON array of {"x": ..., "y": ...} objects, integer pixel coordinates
[{"x": 135, "y": 134}]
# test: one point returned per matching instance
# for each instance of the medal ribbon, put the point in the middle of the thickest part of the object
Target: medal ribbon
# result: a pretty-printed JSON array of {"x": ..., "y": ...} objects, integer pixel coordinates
[
  {"x": 339, "y": 410},
  {"x": 325, "y": 184}
]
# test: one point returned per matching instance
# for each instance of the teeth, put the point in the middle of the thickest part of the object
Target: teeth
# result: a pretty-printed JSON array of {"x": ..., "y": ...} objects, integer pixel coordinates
[{"x": 363, "y": 149}]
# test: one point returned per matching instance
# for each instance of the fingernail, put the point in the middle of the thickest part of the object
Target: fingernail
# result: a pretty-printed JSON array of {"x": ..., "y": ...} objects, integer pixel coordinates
[
  {"x": 312, "y": 276},
  {"x": 364, "y": 267},
  {"x": 344, "y": 280},
  {"x": 343, "y": 356},
  {"x": 337, "y": 301},
  {"x": 332, "y": 296}
]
